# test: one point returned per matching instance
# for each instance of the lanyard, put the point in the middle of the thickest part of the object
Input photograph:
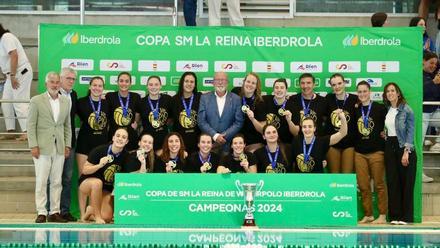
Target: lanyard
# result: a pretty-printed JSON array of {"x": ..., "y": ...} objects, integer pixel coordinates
[
  {"x": 96, "y": 111},
  {"x": 309, "y": 151},
  {"x": 188, "y": 108},
  {"x": 154, "y": 109},
  {"x": 124, "y": 106},
  {"x": 273, "y": 161}
]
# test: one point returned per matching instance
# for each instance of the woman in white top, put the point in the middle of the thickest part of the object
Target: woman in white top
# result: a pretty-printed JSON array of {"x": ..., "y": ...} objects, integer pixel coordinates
[{"x": 400, "y": 156}]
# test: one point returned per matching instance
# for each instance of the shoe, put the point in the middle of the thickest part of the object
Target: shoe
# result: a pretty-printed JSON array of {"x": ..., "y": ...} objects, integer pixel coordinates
[
  {"x": 382, "y": 219},
  {"x": 56, "y": 218},
  {"x": 427, "y": 179},
  {"x": 394, "y": 222},
  {"x": 435, "y": 148},
  {"x": 366, "y": 219},
  {"x": 40, "y": 219},
  {"x": 402, "y": 222},
  {"x": 69, "y": 217},
  {"x": 22, "y": 137},
  {"x": 428, "y": 142}
]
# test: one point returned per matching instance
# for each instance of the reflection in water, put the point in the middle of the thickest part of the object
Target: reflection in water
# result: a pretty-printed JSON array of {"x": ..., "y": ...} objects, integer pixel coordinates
[{"x": 121, "y": 237}]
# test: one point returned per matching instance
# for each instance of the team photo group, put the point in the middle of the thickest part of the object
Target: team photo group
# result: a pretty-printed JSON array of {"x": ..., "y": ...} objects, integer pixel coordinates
[{"x": 238, "y": 131}]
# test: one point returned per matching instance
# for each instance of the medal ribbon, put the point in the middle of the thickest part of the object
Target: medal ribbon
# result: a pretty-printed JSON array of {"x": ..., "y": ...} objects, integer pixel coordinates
[
  {"x": 283, "y": 106},
  {"x": 175, "y": 160},
  {"x": 365, "y": 116},
  {"x": 343, "y": 104},
  {"x": 124, "y": 106},
  {"x": 273, "y": 161},
  {"x": 96, "y": 111},
  {"x": 188, "y": 108},
  {"x": 109, "y": 152},
  {"x": 154, "y": 109},
  {"x": 204, "y": 161},
  {"x": 309, "y": 151},
  {"x": 243, "y": 100},
  {"x": 306, "y": 108}
]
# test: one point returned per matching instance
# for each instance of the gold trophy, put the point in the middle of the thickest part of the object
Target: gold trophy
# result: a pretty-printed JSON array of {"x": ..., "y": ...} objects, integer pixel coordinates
[{"x": 249, "y": 191}]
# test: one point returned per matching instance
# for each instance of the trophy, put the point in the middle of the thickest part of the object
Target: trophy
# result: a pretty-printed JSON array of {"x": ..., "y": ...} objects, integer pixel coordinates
[{"x": 249, "y": 190}]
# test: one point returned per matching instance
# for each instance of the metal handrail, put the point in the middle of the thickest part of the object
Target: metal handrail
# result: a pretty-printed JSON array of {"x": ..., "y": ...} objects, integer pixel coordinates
[
  {"x": 15, "y": 101},
  {"x": 13, "y": 117},
  {"x": 431, "y": 103}
]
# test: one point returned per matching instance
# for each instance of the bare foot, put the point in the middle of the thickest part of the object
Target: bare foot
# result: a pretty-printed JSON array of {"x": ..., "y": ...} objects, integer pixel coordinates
[
  {"x": 99, "y": 221},
  {"x": 89, "y": 215}
]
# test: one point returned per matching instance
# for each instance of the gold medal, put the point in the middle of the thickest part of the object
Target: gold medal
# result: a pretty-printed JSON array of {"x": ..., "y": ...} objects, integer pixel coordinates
[
  {"x": 110, "y": 158},
  {"x": 172, "y": 164},
  {"x": 207, "y": 166},
  {"x": 155, "y": 123},
  {"x": 242, "y": 157},
  {"x": 140, "y": 152},
  {"x": 245, "y": 108},
  {"x": 281, "y": 111},
  {"x": 269, "y": 169}
]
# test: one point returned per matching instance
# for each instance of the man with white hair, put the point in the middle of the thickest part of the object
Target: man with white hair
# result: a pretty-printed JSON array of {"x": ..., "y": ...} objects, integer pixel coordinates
[
  {"x": 49, "y": 132},
  {"x": 220, "y": 113}
]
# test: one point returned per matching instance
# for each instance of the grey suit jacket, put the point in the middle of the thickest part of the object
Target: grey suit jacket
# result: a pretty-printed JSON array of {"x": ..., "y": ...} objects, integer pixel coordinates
[
  {"x": 43, "y": 130},
  {"x": 210, "y": 121}
]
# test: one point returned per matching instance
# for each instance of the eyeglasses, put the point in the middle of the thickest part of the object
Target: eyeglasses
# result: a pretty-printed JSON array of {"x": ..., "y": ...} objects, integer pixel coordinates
[{"x": 71, "y": 78}]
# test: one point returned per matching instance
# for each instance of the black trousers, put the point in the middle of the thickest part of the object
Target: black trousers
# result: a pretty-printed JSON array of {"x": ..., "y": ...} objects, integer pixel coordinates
[{"x": 400, "y": 181}]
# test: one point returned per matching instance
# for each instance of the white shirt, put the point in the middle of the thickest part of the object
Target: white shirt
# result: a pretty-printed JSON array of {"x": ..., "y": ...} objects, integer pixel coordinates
[
  {"x": 390, "y": 120},
  {"x": 221, "y": 101},
  {"x": 55, "y": 105},
  {"x": 8, "y": 43}
]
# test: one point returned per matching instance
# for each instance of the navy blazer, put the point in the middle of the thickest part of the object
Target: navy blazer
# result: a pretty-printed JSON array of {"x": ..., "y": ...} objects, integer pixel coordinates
[{"x": 210, "y": 121}]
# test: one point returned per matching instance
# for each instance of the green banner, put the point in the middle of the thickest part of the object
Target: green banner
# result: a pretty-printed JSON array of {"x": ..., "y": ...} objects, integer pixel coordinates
[
  {"x": 377, "y": 55},
  {"x": 199, "y": 200}
]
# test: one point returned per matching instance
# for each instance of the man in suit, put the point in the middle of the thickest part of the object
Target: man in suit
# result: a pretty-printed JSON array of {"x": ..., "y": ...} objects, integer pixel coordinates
[
  {"x": 220, "y": 113},
  {"x": 68, "y": 77},
  {"x": 49, "y": 137}
]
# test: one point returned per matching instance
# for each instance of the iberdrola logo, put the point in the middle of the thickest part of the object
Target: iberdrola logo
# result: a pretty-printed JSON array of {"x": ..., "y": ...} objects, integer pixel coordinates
[
  {"x": 351, "y": 40},
  {"x": 71, "y": 38}
]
